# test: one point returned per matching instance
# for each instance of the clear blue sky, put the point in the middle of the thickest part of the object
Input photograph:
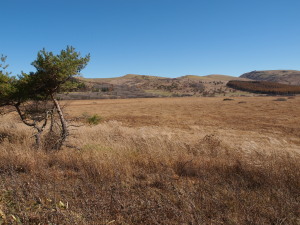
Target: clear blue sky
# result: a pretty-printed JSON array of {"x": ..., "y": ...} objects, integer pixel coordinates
[{"x": 155, "y": 37}]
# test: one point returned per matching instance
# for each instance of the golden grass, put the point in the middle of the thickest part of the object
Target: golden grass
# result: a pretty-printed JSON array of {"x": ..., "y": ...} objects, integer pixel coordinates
[
  {"x": 257, "y": 122},
  {"x": 184, "y": 167}
]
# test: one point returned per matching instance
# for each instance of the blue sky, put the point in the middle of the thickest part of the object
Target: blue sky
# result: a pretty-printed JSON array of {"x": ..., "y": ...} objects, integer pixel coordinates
[{"x": 168, "y": 38}]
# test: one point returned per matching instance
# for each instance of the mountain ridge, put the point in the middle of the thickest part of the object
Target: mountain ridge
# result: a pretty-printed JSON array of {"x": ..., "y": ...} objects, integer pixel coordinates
[
  {"x": 291, "y": 77},
  {"x": 144, "y": 86},
  {"x": 189, "y": 76}
]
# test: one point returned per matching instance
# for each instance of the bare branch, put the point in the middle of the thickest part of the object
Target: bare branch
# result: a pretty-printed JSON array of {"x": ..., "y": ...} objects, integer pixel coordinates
[{"x": 17, "y": 106}]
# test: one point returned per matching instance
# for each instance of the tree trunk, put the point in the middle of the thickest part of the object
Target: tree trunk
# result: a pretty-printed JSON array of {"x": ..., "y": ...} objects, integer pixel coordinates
[
  {"x": 64, "y": 126},
  {"x": 38, "y": 138}
]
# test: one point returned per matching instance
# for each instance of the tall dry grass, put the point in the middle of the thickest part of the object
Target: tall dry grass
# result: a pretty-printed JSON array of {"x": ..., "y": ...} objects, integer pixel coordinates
[{"x": 146, "y": 175}]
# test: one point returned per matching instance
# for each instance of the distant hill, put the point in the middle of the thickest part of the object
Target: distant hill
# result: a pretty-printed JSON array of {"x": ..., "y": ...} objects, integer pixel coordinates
[
  {"x": 212, "y": 77},
  {"x": 145, "y": 86},
  {"x": 123, "y": 79},
  {"x": 291, "y": 77}
]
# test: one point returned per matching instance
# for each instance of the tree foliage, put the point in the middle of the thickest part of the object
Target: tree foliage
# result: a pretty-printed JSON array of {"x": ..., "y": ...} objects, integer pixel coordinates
[
  {"x": 34, "y": 94},
  {"x": 54, "y": 72},
  {"x": 7, "y": 87}
]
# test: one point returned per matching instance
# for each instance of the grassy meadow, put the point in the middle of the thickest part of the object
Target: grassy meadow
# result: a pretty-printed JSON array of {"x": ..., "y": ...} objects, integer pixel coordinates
[{"x": 158, "y": 161}]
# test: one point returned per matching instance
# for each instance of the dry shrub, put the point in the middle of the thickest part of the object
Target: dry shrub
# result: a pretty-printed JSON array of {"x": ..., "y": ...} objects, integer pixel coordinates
[
  {"x": 146, "y": 175},
  {"x": 280, "y": 99},
  {"x": 51, "y": 139},
  {"x": 228, "y": 99}
]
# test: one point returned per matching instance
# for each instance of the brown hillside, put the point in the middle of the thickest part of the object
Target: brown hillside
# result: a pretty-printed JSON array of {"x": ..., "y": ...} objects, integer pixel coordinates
[
  {"x": 291, "y": 77},
  {"x": 212, "y": 77},
  {"x": 144, "y": 86}
]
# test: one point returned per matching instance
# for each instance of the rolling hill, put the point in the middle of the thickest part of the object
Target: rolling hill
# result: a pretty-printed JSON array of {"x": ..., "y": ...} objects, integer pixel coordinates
[
  {"x": 291, "y": 77},
  {"x": 145, "y": 86},
  {"x": 211, "y": 77}
]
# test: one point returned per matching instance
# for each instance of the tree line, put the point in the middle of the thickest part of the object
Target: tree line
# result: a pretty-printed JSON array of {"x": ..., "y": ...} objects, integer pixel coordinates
[{"x": 264, "y": 87}]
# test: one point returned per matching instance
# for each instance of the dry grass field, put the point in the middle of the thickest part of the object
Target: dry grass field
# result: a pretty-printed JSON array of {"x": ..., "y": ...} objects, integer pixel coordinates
[
  {"x": 158, "y": 161},
  {"x": 252, "y": 122}
]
